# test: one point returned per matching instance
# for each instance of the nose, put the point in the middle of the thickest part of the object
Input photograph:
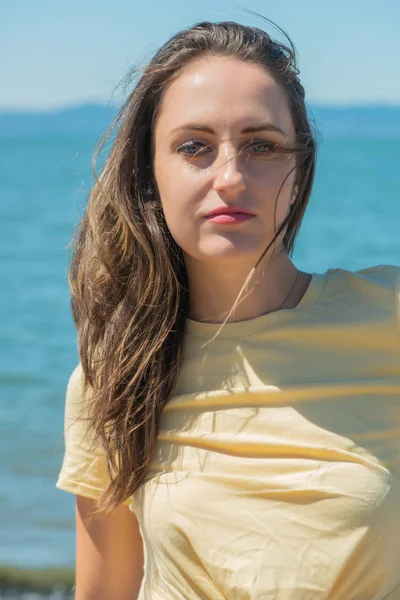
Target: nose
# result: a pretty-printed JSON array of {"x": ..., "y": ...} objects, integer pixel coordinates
[{"x": 229, "y": 179}]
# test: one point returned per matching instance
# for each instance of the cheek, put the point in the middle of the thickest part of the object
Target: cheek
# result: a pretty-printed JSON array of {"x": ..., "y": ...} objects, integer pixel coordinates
[
  {"x": 280, "y": 172},
  {"x": 274, "y": 192},
  {"x": 273, "y": 188},
  {"x": 180, "y": 200}
]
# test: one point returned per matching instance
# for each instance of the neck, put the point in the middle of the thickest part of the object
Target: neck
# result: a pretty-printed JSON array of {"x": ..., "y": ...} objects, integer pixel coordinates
[{"x": 213, "y": 288}]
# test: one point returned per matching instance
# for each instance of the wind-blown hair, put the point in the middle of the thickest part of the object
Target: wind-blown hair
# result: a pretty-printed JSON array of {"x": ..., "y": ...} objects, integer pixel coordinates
[{"x": 128, "y": 282}]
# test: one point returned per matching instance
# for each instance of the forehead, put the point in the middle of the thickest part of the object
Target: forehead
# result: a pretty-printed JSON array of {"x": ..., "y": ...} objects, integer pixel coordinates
[{"x": 224, "y": 91}]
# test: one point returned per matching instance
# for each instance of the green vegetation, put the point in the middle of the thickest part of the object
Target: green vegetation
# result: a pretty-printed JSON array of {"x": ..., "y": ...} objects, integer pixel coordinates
[{"x": 40, "y": 581}]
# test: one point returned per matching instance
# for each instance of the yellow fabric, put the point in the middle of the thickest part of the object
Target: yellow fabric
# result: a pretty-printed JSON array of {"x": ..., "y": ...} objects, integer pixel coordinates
[
  {"x": 276, "y": 469},
  {"x": 84, "y": 468}
]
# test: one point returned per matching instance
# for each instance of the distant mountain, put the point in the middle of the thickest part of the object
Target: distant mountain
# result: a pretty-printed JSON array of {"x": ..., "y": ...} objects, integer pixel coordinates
[
  {"x": 93, "y": 119},
  {"x": 86, "y": 119}
]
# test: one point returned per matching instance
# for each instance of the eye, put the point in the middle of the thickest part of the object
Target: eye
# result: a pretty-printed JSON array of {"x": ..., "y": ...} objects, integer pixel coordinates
[
  {"x": 261, "y": 147},
  {"x": 190, "y": 145}
]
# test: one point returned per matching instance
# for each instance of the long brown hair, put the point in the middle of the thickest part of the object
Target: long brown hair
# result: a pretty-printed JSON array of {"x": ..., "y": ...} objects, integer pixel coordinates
[{"x": 129, "y": 289}]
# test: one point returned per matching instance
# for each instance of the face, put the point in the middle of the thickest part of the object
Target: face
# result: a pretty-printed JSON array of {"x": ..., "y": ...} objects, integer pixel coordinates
[{"x": 204, "y": 158}]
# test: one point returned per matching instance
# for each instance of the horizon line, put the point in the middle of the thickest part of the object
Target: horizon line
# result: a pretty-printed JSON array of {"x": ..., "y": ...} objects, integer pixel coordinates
[{"x": 115, "y": 106}]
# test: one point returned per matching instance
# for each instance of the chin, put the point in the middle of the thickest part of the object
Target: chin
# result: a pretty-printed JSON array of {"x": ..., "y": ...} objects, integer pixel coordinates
[{"x": 226, "y": 254}]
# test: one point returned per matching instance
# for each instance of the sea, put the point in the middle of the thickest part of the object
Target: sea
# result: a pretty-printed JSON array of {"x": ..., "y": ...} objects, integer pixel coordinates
[{"x": 352, "y": 221}]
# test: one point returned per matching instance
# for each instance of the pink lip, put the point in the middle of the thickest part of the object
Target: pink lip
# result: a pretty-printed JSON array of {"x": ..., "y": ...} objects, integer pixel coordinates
[
  {"x": 224, "y": 210},
  {"x": 229, "y": 217}
]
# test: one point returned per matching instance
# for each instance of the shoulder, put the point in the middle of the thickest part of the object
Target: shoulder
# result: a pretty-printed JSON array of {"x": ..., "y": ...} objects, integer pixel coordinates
[
  {"x": 75, "y": 380},
  {"x": 376, "y": 276},
  {"x": 75, "y": 401},
  {"x": 374, "y": 273},
  {"x": 375, "y": 287},
  {"x": 381, "y": 274}
]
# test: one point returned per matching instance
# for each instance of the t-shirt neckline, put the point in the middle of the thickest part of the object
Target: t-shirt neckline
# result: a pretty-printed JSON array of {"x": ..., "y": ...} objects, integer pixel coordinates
[{"x": 261, "y": 323}]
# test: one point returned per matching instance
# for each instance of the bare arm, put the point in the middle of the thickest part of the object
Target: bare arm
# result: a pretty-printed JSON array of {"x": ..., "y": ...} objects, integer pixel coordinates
[{"x": 109, "y": 554}]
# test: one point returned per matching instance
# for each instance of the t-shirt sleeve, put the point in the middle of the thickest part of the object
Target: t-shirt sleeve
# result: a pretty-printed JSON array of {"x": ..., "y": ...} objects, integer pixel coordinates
[{"x": 84, "y": 467}]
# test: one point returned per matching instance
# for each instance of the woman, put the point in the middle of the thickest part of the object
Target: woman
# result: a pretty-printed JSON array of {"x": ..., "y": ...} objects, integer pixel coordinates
[{"x": 242, "y": 437}]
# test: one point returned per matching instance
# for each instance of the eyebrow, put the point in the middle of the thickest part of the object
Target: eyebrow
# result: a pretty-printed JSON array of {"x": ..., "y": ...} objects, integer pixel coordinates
[{"x": 251, "y": 129}]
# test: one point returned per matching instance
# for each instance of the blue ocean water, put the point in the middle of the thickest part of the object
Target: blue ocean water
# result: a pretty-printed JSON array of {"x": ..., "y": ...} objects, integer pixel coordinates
[{"x": 352, "y": 222}]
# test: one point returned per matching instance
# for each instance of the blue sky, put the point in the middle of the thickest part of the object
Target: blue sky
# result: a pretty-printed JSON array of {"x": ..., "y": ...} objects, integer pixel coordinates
[{"x": 65, "y": 53}]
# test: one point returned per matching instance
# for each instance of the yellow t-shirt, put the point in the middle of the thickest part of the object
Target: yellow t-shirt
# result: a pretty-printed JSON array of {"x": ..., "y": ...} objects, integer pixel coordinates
[{"x": 276, "y": 469}]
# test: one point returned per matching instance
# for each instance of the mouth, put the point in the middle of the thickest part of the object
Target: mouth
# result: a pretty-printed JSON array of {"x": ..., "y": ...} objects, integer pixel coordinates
[{"x": 229, "y": 217}]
